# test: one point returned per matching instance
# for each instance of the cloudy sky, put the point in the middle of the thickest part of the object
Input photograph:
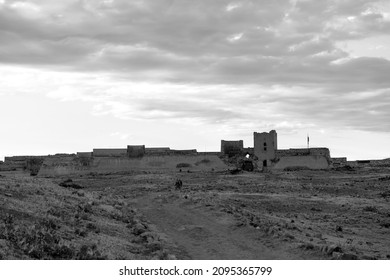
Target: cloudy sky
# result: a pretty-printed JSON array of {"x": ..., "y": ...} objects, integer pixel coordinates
[{"x": 82, "y": 74}]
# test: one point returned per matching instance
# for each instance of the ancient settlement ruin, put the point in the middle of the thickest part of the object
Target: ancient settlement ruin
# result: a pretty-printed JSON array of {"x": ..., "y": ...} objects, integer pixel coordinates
[{"x": 263, "y": 156}]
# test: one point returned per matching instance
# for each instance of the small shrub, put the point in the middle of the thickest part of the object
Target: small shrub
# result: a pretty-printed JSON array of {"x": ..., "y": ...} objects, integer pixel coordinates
[
  {"x": 296, "y": 168},
  {"x": 385, "y": 224},
  {"x": 370, "y": 209},
  {"x": 63, "y": 252},
  {"x": 87, "y": 208},
  {"x": 385, "y": 194},
  {"x": 307, "y": 246},
  {"x": 89, "y": 252},
  {"x": 183, "y": 164},
  {"x": 80, "y": 232},
  {"x": 85, "y": 161},
  {"x": 93, "y": 227},
  {"x": 57, "y": 212},
  {"x": 34, "y": 165},
  {"x": 70, "y": 184},
  {"x": 203, "y": 161}
]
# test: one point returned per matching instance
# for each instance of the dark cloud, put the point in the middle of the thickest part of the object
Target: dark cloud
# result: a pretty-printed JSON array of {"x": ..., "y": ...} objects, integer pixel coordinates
[{"x": 290, "y": 44}]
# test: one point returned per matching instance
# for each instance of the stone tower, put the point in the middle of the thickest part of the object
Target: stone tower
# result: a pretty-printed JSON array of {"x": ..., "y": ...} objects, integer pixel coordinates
[
  {"x": 232, "y": 148},
  {"x": 265, "y": 146}
]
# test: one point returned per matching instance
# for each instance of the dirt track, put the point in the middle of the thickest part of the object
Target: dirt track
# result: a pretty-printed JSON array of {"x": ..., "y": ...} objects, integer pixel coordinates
[{"x": 195, "y": 233}]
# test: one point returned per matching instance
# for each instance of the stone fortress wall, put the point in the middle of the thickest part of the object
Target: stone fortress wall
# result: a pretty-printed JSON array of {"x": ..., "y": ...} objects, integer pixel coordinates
[
  {"x": 264, "y": 154},
  {"x": 303, "y": 152},
  {"x": 73, "y": 165},
  {"x": 109, "y": 152},
  {"x": 310, "y": 162}
]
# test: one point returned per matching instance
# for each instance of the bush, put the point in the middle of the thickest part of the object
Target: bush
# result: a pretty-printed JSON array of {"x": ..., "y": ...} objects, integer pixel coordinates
[
  {"x": 203, "y": 161},
  {"x": 42, "y": 241},
  {"x": 296, "y": 168},
  {"x": 183, "y": 164},
  {"x": 370, "y": 209},
  {"x": 89, "y": 252},
  {"x": 85, "y": 161},
  {"x": 34, "y": 165}
]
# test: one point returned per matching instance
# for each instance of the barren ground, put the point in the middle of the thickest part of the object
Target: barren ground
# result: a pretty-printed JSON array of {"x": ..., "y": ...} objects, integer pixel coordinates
[{"x": 342, "y": 214}]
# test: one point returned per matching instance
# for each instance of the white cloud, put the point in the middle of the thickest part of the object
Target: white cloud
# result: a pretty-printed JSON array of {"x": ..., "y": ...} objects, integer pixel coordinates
[
  {"x": 121, "y": 135},
  {"x": 232, "y": 6},
  {"x": 235, "y": 37}
]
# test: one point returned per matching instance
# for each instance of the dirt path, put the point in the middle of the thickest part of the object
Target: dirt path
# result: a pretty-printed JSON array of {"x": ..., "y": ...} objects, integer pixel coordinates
[{"x": 199, "y": 233}]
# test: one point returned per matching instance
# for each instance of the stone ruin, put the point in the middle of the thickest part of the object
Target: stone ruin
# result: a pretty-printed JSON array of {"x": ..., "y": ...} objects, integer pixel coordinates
[{"x": 264, "y": 155}]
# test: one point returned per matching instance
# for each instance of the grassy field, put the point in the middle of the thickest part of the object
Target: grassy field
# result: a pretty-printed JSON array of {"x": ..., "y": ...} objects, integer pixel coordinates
[{"x": 334, "y": 214}]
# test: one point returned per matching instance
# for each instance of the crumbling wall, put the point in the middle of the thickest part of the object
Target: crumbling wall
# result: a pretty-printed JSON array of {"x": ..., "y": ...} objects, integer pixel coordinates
[
  {"x": 65, "y": 165},
  {"x": 320, "y": 152},
  {"x": 71, "y": 165},
  {"x": 135, "y": 151},
  {"x": 110, "y": 152},
  {"x": 265, "y": 146},
  {"x": 157, "y": 151},
  {"x": 249, "y": 150},
  {"x": 370, "y": 163},
  {"x": 303, "y": 152},
  {"x": 380, "y": 163},
  {"x": 340, "y": 161},
  {"x": 310, "y": 162},
  {"x": 34, "y": 165},
  {"x": 160, "y": 163},
  {"x": 23, "y": 162},
  {"x": 232, "y": 148},
  {"x": 16, "y": 162}
]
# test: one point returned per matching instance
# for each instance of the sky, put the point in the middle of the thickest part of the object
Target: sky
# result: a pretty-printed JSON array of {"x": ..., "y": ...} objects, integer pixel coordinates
[{"x": 82, "y": 74}]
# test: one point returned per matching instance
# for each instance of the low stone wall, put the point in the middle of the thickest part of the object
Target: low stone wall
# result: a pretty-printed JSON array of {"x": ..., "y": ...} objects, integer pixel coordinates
[
  {"x": 338, "y": 162},
  {"x": 311, "y": 162},
  {"x": 380, "y": 163},
  {"x": 370, "y": 163},
  {"x": 84, "y": 154}
]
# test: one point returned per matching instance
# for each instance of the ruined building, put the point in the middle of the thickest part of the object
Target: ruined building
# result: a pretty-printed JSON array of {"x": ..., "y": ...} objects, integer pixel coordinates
[
  {"x": 265, "y": 152},
  {"x": 232, "y": 148},
  {"x": 265, "y": 146}
]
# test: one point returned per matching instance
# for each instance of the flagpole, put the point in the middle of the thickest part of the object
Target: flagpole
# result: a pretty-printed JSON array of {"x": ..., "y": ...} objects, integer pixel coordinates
[{"x": 308, "y": 141}]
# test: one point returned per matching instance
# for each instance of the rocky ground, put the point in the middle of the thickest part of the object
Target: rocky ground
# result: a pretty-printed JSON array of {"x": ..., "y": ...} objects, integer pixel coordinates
[{"x": 303, "y": 214}]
